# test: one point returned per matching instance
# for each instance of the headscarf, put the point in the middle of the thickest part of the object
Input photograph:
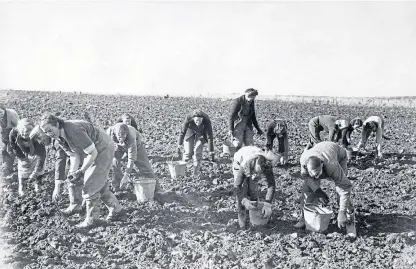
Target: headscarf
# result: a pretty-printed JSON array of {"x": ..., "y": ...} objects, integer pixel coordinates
[{"x": 23, "y": 143}]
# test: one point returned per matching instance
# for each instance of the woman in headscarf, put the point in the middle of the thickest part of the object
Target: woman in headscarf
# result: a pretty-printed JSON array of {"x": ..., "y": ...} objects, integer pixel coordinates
[
  {"x": 8, "y": 120},
  {"x": 30, "y": 154},
  {"x": 250, "y": 166},
  {"x": 196, "y": 131},
  {"x": 127, "y": 141},
  {"x": 76, "y": 136}
]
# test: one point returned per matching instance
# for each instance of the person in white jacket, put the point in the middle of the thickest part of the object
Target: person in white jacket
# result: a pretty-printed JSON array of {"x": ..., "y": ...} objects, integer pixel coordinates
[
  {"x": 373, "y": 124},
  {"x": 250, "y": 165},
  {"x": 327, "y": 160}
]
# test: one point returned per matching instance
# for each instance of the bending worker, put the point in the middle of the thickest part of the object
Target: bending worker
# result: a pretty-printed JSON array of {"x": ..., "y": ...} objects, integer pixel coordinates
[
  {"x": 75, "y": 136},
  {"x": 8, "y": 120},
  {"x": 243, "y": 118},
  {"x": 196, "y": 131},
  {"x": 126, "y": 139},
  {"x": 337, "y": 129},
  {"x": 30, "y": 154},
  {"x": 278, "y": 129},
  {"x": 373, "y": 124},
  {"x": 326, "y": 160},
  {"x": 250, "y": 166}
]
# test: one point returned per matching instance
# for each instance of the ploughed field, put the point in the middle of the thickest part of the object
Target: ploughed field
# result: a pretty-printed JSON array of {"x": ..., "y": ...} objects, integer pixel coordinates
[{"x": 194, "y": 225}]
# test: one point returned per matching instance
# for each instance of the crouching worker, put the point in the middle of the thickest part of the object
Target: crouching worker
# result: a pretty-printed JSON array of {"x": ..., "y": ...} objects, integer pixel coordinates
[
  {"x": 249, "y": 167},
  {"x": 327, "y": 160},
  {"x": 375, "y": 125},
  {"x": 126, "y": 139},
  {"x": 336, "y": 128},
  {"x": 75, "y": 136},
  {"x": 8, "y": 120},
  {"x": 30, "y": 154},
  {"x": 278, "y": 129},
  {"x": 195, "y": 133}
]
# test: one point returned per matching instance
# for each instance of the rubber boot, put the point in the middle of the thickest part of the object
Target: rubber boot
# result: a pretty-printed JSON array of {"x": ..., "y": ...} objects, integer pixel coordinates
[
  {"x": 111, "y": 202},
  {"x": 92, "y": 214},
  {"x": 196, "y": 171},
  {"x": 242, "y": 219},
  {"x": 22, "y": 187},
  {"x": 350, "y": 226},
  {"x": 75, "y": 200}
]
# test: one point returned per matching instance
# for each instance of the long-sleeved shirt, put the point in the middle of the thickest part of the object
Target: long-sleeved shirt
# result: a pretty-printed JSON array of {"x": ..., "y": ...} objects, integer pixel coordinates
[
  {"x": 130, "y": 144},
  {"x": 22, "y": 148},
  {"x": 241, "y": 160},
  {"x": 278, "y": 129},
  {"x": 380, "y": 123},
  {"x": 190, "y": 129},
  {"x": 334, "y": 167},
  {"x": 238, "y": 111}
]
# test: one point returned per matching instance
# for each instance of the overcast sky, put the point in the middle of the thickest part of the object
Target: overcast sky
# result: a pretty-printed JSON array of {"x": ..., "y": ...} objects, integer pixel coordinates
[{"x": 308, "y": 48}]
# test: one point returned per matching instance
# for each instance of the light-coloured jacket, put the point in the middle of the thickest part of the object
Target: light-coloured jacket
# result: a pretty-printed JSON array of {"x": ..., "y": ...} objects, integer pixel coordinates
[{"x": 335, "y": 160}]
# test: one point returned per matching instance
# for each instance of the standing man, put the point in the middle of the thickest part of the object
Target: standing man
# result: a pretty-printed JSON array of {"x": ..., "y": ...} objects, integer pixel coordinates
[
  {"x": 327, "y": 160},
  {"x": 8, "y": 120},
  {"x": 243, "y": 118},
  {"x": 277, "y": 128}
]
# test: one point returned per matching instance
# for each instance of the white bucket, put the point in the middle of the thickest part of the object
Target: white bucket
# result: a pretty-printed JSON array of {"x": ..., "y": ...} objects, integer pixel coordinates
[
  {"x": 177, "y": 168},
  {"x": 228, "y": 148},
  {"x": 144, "y": 189},
  {"x": 316, "y": 217},
  {"x": 255, "y": 215}
]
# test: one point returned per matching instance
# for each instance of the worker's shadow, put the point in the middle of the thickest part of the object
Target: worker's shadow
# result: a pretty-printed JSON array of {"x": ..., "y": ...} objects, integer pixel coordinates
[{"x": 376, "y": 224}]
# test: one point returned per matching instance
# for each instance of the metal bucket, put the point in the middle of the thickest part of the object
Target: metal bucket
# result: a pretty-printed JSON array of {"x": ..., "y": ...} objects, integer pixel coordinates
[
  {"x": 317, "y": 218},
  {"x": 144, "y": 189},
  {"x": 177, "y": 168}
]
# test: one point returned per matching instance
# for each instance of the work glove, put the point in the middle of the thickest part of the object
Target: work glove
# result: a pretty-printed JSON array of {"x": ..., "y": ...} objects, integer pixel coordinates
[
  {"x": 342, "y": 219},
  {"x": 56, "y": 191},
  {"x": 178, "y": 153},
  {"x": 259, "y": 132},
  {"x": 75, "y": 177},
  {"x": 266, "y": 211},
  {"x": 212, "y": 156},
  {"x": 322, "y": 197},
  {"x": 283, "y": 160},
  {"x": 124, "y": 180},
  {"x": 249, "y": 205}
]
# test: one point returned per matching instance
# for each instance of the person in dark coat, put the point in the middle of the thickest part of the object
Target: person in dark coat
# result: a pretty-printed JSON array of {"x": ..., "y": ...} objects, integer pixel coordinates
[
  {"x": 196, "y": 131},
  {"x": 243, "y": 118},
  {"x": 277, "y": 128}
]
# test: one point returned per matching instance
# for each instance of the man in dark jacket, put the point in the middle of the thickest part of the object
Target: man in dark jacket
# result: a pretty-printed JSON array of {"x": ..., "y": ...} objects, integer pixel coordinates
[
  {"x": 195, "y": 132},
  {"x": 277, "y": 128},
  {"x": 243, "y": 118}
]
